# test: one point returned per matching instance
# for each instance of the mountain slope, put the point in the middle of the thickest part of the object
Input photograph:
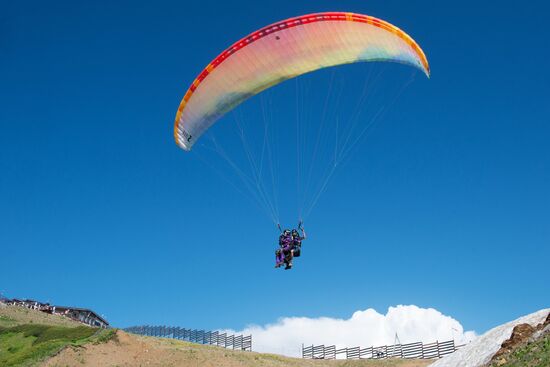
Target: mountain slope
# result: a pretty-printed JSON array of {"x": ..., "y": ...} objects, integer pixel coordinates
[
  {"x": 28, "y": 337},
  {"x": 134, "y": 350}
]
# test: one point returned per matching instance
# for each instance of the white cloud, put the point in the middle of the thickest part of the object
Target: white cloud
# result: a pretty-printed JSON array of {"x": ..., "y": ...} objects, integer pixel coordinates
[{"x": 364, "y": 328}]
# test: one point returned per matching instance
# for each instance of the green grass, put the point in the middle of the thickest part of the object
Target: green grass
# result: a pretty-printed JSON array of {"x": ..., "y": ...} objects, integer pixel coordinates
[
  {"x": 6, "y": 321},
  {"x": 536, "y": 354},
  {"x": 24, "y": 345}
]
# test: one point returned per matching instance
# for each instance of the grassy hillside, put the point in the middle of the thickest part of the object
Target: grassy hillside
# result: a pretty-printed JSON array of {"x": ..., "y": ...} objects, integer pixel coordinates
[
  {"x": 26, "y": 344},
  {"x": 23, "y": 342},
  {"x": 14, "y": 315}
]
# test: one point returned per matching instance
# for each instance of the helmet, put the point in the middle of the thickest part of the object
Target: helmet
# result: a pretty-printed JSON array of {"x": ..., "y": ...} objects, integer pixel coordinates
[
  {"x": 286, "y": 232},
  {"x": 295, "y": 233}
]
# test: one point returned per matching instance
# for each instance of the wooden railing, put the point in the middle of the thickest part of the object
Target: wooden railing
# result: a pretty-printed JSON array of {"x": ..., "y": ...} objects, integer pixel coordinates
[
  {"x": 411, "y": 350},
  {"x": 237, "y": 342}
]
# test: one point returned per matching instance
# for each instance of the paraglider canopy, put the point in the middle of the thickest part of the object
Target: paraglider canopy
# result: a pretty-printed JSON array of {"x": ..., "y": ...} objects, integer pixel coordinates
[{"x": 285, "y": 50}]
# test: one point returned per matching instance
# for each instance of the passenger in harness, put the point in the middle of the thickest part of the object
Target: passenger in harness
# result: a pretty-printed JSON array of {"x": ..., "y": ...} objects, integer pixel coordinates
[
  {"x": 290, "y": 245},
  {"x": 297, "y": 240}
]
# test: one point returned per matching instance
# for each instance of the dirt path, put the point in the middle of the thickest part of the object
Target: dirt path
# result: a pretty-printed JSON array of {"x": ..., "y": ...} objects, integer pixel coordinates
[{"x": 132, "y": 350}]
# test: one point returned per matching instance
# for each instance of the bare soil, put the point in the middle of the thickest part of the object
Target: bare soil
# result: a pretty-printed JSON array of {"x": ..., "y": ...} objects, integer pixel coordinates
[{"x": 133, "y": 350}]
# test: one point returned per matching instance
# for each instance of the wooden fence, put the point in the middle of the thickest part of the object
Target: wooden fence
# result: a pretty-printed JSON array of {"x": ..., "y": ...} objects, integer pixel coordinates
[
  {"x": 411, "y": 350},
  {"x": 237, "y": 342}
]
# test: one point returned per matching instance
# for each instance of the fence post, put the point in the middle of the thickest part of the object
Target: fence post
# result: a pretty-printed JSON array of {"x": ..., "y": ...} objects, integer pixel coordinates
[{"x": 437, "y": 344}]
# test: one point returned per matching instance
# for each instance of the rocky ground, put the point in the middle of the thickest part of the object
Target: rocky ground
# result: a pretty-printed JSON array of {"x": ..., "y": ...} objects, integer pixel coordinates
[{"x": 527, "y": 346}]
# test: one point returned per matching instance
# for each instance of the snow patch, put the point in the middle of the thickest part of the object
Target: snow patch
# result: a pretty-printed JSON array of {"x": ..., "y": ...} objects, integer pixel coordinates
[{"x": 480, "y": 351}]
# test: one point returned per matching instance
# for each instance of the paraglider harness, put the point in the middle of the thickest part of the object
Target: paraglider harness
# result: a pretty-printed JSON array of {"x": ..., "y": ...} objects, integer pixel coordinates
[
  {"x": 297, "y": 241},
  {"x": 295, "y": 245}
]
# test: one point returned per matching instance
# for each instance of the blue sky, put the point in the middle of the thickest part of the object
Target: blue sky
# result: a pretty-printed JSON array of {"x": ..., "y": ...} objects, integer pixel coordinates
[{"x": 445, "y": 205}]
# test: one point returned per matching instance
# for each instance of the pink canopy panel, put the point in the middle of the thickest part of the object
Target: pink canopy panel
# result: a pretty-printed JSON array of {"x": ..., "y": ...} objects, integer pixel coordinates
[{"x": 285, "y": 50}]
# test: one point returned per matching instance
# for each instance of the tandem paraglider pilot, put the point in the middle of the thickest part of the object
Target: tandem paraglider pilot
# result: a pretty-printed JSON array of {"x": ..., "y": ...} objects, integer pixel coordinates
[{"x": 290, "y": 246}]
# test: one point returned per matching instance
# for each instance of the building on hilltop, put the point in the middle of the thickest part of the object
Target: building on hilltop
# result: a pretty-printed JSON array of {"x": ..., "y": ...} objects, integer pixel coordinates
[
  {"x": 29, "y": 303},
  {"x": 83, "y": 315}
]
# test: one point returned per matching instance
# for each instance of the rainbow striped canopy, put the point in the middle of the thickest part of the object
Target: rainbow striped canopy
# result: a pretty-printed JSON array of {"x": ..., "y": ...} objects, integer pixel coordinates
[{"x": 285, "y": 50}]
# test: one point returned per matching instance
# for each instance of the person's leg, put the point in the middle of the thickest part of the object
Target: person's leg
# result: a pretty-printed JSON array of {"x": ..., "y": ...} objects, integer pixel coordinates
[
  {"x": 288, "y": 257},
  {"x": 277, "y": 258},
  {"x": 281, "y": 256}
]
